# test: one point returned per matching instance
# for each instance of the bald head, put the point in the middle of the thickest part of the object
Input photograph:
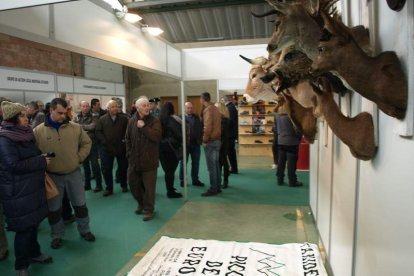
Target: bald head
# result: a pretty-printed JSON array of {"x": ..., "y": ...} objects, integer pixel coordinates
[
  {"x": 112, "y": 107},
  {"x": 188, "y": 108},
  {"x": 84, "y": 105}
]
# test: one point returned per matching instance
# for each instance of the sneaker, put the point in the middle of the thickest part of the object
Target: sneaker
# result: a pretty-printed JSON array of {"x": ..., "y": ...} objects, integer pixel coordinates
[
  {"x": 108, "y": 193},
  {"x": 244, "y": 112},
  {"x": 97, "y": 190},
  {"x": 43, "y": 259},
  {"x": 88, "y": 236},
  {"x": 198, "y": 183},
  {"x": 148, "y": 216},
  {"x": 296, "y": 184},
  {"x": 225, "y": 184},
  {"x": 174, "y": 194},
  {"x": 209, "y": 193},
  {"x": 22, "y": 272},
  {"x": 243, "y": 103},
  {"x": 280, "y": 181},
  {"x": 125, "y": 190},
  {"x": 71, "y": 219},
  {"x": 56, "y": 243},
  {"x": 244, "y": 123},
  {"x": 87, "y": 187}
]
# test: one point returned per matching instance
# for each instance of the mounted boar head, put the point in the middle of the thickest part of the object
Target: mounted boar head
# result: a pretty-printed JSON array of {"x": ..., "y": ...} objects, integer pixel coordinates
[
  {"x": 295, "y": 26},
  {"x": 379, "y": 79}
]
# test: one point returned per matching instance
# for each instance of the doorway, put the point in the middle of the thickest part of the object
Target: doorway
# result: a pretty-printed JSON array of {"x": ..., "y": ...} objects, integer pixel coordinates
[{"x": 173, "y": 100}]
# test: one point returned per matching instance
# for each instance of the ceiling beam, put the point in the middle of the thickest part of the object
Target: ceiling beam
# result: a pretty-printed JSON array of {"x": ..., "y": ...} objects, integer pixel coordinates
[{"x": 157, "y": 6}]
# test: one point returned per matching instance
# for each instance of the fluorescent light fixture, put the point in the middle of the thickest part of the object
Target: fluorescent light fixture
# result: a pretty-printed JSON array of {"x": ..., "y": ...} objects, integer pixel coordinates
[
  {"x": 132, "y": 17},
  {"x": 151, "y": 30},
  {"x": 115, "y": 4},
  {"x": 8, "y": 5}
]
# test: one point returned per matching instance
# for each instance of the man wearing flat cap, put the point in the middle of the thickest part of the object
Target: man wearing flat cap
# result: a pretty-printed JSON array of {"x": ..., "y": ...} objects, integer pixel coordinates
[{"x": 154, "y": 110}]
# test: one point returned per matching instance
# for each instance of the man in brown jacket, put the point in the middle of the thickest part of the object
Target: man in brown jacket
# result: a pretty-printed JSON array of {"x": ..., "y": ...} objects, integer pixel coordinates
[
  {"x": 211, "y": 143},
  {"x": 142, "y": 138}
]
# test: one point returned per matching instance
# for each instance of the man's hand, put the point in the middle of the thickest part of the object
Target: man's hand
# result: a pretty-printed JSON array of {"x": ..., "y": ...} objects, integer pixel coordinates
[{"x": 140, "y": 123}]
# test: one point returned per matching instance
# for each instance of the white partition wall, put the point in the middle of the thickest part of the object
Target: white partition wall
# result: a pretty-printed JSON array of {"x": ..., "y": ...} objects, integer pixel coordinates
[
  {"x": 219, "y": 62},
  {"x": 91, "y": 28},
  {"x": 364, "y": 213}
]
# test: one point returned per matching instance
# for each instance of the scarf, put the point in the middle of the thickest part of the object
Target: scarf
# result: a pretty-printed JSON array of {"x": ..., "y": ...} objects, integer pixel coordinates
[{"x": 16, "y": 133}]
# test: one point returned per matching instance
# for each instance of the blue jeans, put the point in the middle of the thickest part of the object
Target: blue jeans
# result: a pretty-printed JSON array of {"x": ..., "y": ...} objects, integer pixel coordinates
[
  {"x": 195, "y": 152},
  {"x": 212, "y": 151}
]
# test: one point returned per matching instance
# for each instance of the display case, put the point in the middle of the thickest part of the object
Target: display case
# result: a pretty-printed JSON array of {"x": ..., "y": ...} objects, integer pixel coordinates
[{"x": 255, "y": 129}]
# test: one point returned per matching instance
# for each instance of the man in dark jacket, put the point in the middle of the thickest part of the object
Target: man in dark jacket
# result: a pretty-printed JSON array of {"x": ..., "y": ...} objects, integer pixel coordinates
[
  {"x": 193, "y": 145},
  {"x": 142, "y": 138},
  {"x": 233, "y": 133},
  {"x": 110, "y": 131},
  {"x": 288, "y": 138},
  {"x": 88, "y": 121},
  {"x": 36, "y": 117}
]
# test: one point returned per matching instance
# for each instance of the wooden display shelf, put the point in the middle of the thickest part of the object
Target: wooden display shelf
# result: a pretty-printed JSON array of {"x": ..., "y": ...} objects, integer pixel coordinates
[
  {"x": 255, "y": 149},
  {"x": 248, "y": 141}
]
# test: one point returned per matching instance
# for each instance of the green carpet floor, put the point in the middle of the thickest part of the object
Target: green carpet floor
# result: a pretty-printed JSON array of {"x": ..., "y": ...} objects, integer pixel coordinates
[{"x": 120, "y": 233}]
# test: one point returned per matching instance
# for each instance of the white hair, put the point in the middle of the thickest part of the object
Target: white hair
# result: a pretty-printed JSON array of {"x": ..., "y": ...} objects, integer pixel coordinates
[
  {"x": 142, "y": 99},
  {"x": 110, "y": 102}
]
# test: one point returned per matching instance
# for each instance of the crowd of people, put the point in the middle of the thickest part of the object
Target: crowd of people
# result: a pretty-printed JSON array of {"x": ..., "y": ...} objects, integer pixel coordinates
[
  {"x": 36, "y": 139},
  {"x": 39, "y": 139}
]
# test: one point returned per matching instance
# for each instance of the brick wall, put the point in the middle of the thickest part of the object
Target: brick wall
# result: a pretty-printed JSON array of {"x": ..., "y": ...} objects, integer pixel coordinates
[{"x": 20, "y": 53}]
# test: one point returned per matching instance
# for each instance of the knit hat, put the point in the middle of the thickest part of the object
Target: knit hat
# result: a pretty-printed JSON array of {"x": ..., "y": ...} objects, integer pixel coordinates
[{"x": 11, "y": 109}]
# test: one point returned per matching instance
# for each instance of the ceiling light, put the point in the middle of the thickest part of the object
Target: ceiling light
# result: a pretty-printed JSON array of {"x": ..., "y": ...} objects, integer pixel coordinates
[
  {"x": 151, "y": 30},
  {"x": 132, "y": 17}
]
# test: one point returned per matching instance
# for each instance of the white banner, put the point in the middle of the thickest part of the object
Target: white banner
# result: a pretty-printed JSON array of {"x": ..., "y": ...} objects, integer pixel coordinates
[
  {"x": 172, "y": 257},
  {"x": 93, "y": 87},
  {"x": 25, "y": 80}
]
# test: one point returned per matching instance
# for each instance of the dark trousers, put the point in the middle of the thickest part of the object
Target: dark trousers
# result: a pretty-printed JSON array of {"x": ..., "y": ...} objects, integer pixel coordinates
[
  {"x": 194, "y": 151},
  {"x": 25, "y": 247},
  {"x": 231, "y": 153},
  {"x": 224, "y": 164},
  {"x": 289, "y": 154},
  {"x": 67, "y": 211},
  {"x": 107, "y": 161},
  {"x": 142, "y": 186},
  {"x": 274, "y": 148},
  {"x": 169, "y": 164},
  {"x": 92, "y": 159}
]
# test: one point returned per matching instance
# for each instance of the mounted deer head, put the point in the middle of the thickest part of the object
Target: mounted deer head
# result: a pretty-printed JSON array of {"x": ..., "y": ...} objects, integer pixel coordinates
[
  {"x": 301, "y": 117},
  {"x": 379, "y": 79},
  {"x": 357, "y": 132}
]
